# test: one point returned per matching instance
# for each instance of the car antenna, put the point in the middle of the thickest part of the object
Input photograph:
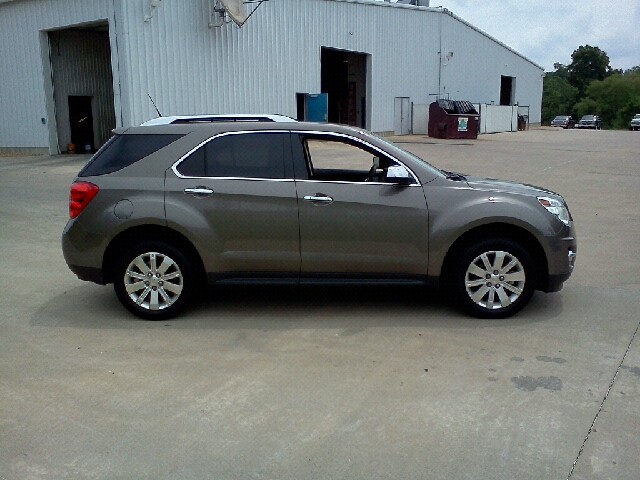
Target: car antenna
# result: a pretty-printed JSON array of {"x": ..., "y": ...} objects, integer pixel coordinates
[{"x": 154, "y": 105}]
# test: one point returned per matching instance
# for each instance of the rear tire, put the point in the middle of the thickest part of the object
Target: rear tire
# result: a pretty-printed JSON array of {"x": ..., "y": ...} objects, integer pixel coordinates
[
  {"x": 493, "y": 278},
  {"x": 154, "y": 280}
]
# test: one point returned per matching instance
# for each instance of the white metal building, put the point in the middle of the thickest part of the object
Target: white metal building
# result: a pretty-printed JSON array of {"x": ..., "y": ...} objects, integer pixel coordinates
[{"x": 76, "y": 67}]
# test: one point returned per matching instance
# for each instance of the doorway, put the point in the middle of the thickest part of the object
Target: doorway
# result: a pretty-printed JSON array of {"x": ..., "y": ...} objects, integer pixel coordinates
[
  {"x": 507, "y": 90},
  {"x": 82, "y": 86},
  {"x": 344, "y": 79},
  {"x": 81, "y": 122},
  {"x": 402, "y": 116}
]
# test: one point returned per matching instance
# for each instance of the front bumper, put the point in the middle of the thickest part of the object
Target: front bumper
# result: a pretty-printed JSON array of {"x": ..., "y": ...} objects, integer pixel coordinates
[{"x": 562, "y": 253}]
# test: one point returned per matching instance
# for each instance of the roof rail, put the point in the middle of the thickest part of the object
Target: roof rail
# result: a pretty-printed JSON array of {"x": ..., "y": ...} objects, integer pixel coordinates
[{"x": 176, "y": 119}]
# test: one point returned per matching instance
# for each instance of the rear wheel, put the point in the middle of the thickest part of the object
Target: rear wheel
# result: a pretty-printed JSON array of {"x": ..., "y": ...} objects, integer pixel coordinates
[
  {"x": 154, "y": 280},
  {"x": 494, "y": 278}
]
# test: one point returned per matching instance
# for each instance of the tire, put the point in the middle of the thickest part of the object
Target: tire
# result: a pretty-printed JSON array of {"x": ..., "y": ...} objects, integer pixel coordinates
[
  {"x": 154, "y": 280},
  {"x": 493, "y": 278}
]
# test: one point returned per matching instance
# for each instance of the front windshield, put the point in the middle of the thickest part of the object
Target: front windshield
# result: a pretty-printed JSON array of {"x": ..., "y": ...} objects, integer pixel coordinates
[
  {"x": 395, "y": 149},
  {"x": 561, "y": 117}
]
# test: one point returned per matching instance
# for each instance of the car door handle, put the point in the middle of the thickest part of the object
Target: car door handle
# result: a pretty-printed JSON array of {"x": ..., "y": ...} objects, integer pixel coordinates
[
  {"x": 318, "y": 197},
  {"x": 199, "y": 191}
]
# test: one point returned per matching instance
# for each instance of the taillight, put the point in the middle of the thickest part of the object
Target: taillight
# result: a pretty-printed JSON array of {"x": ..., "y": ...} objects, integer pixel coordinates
[{"x": 80, "y": 195}]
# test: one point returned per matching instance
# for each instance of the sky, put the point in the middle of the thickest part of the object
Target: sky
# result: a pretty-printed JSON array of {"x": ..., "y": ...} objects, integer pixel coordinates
[{"x": 547, "y": 32}]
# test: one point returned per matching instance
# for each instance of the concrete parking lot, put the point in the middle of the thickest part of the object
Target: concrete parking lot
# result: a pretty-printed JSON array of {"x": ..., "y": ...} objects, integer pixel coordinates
[{"x": 330, "y": 383}]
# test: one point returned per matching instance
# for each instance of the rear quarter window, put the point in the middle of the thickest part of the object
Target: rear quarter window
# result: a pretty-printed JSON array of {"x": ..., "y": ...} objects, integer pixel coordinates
[
  {"x": 124, "y": 150},
  {"x": 245, "y": 155}
]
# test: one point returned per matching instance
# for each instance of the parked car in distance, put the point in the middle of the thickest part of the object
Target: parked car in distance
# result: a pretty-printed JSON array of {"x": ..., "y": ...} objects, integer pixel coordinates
[
  {"x": 590, "y": 121},
  {"x": 564, "y": 121},
  {"x": 635, "y": 122},
  {"x": 164, "y": 208}
]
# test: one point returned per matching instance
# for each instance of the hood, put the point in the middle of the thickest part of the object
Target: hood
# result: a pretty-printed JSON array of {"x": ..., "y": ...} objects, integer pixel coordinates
[{"x": 504, "y": 186}]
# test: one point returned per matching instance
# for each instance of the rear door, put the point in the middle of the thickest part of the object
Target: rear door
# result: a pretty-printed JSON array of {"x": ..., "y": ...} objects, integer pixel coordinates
[{"x": 234, "y": 197}]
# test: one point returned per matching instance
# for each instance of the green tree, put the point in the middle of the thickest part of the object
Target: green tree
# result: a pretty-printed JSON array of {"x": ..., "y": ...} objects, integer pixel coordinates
[
  {"x": 558, "y": 96},
  {"x": 587, "y": 64},
  {"x": 561, "y": 71},
  {"x": 616, "y": 99}
]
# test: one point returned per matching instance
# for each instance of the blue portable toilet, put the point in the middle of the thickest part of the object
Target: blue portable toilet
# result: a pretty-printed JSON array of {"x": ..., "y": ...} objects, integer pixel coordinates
[{"x": 313, "y": 107}]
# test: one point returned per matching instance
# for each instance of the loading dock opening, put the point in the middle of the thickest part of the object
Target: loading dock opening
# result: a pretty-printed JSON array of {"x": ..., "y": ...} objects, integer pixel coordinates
[
  {"x": 81, "y": 74},
  {"x": 344, "y": 79}
]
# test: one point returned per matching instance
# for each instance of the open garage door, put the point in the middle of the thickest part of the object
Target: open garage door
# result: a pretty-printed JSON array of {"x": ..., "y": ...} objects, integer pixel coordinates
[
  {"x": 344, "y": 79},
  {"x": 82, "y": 86}
]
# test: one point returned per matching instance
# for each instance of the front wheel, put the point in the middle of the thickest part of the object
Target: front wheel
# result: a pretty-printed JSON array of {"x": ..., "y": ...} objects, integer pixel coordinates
[
  {"x": 494, "y": 278},
  {"x": 154, "y": 280}
]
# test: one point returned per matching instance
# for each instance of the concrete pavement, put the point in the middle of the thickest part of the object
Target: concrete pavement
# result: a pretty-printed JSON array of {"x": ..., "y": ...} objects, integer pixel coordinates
[{"x": 330, "y": 383}]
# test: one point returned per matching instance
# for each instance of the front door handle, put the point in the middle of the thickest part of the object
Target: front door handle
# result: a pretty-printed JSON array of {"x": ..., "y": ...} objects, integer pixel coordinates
[
  {"x": 318, "y": 198},
  {"x": 199, "y": 191}
]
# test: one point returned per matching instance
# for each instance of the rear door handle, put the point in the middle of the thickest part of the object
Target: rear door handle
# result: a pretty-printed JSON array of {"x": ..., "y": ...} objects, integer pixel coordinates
[
  {"x": 318, "y": 198},
  {"x": 198, "y": 191}
]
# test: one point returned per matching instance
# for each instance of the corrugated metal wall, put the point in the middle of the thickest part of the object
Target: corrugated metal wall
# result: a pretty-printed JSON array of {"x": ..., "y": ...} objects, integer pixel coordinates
[
  {"x": 188, "y": 67},
  {"x": 261, "y": 66}
]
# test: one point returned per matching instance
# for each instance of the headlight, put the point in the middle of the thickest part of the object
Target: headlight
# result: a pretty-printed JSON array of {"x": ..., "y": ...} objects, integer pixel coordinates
[{"x": 557, "y": 208}]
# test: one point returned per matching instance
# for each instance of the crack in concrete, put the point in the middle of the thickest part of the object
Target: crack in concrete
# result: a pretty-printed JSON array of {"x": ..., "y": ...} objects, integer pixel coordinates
[{"x": 591, "y": 428}]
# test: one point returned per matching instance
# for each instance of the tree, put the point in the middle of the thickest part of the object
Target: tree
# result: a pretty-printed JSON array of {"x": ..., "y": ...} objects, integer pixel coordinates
[
  {"x": 616, "y": 99},
  {"x": 558, "y": 96},
  {"x": 590, "y": 86},
  {"x": 587, "y": 64}
]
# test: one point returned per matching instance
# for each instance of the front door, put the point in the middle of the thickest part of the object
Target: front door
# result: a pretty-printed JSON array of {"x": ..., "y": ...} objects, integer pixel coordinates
[{"x": 352, "y": 222}]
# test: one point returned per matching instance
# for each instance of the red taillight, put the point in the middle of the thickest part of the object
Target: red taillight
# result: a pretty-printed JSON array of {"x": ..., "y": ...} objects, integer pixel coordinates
[{"x": 79, "y": 197}]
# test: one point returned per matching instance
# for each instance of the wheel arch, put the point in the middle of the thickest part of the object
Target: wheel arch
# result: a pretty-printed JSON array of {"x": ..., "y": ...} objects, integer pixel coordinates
[
  {"x": 499, "y": 230},
  {"x": 142, "y": 233}
]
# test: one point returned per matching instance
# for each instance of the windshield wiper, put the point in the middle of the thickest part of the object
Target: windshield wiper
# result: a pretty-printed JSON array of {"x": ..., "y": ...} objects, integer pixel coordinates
[{"x": 456, "y": 177}]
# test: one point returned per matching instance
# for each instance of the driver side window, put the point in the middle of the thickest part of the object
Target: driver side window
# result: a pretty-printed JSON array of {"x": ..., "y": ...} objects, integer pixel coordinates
[{"x": 336, "y": 160}]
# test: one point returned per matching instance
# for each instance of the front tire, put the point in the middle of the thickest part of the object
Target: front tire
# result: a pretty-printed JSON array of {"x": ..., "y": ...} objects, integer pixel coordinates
[
  {"x": 494, "y": 278},
  {"x": 154, "y": 280}
]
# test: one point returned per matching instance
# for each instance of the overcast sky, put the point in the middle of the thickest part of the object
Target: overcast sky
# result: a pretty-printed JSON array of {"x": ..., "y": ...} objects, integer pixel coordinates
[{"x": 547, "y": 31}]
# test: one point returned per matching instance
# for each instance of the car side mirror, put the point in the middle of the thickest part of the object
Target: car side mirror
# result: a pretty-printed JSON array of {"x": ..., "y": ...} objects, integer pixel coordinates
[{"x": 399, "y": 175}]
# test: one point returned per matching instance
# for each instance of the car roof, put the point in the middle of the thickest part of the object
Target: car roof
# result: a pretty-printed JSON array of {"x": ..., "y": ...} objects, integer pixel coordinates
[
  {"x": 177, "y": 119},
  {"x": 220, "y": 125}
]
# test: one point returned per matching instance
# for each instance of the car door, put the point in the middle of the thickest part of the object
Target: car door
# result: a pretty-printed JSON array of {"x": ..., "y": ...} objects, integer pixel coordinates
[
  {"x": 234, "y": 197},
  {"x": 352, "y": 221}
]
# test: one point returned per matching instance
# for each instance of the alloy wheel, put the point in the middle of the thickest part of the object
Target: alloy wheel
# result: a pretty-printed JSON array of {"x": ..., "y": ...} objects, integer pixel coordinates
[
  {"x": 153, "y": 281},
  {"x": 495, "y": 280}
]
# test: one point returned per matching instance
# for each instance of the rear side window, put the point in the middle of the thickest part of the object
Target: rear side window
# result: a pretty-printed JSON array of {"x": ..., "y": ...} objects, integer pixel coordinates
[
  {"x": 124, "y": 150},
  {"x": 247, "y": 155}
]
